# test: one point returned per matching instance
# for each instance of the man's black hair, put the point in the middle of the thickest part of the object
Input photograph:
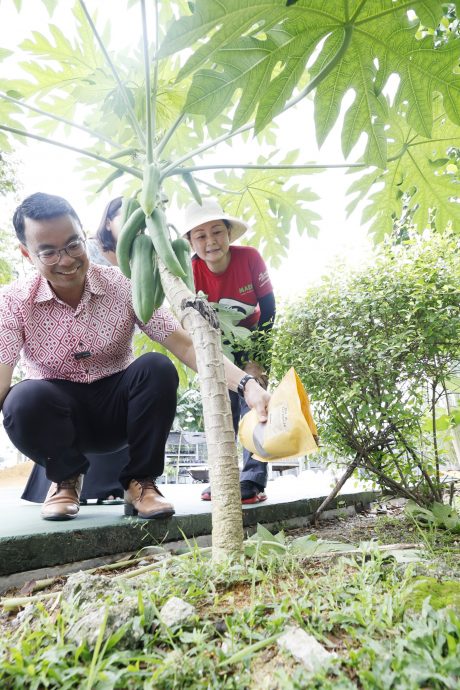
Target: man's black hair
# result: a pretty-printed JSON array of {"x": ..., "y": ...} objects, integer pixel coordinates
[{"x": 40, "y": 206}]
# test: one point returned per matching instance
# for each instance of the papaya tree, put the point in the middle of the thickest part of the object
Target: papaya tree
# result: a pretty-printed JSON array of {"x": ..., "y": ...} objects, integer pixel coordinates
[
  {"x": 242, "y": 65},
  {"x": 140, "y": 132}
]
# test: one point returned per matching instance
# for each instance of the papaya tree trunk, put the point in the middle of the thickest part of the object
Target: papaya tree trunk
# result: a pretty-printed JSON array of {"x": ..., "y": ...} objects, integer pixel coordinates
[{"x": 227, "y": 517}]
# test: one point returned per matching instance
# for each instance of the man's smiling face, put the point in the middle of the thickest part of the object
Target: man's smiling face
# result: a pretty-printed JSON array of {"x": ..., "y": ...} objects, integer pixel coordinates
[{"x": 67, "y": 276}]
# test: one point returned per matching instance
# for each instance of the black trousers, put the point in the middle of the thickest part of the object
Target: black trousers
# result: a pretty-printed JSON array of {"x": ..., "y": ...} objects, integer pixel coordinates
[
  {"x": 56, "y": 422},
  {"x": 253, "y": 470}
]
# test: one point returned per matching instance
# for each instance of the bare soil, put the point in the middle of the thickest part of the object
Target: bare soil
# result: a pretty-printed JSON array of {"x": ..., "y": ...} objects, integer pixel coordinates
[{"x": 384, "y": 522}]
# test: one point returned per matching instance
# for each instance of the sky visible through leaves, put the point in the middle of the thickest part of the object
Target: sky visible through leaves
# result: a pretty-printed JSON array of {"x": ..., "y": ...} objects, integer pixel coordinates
[{"x": 43, "y": 168}]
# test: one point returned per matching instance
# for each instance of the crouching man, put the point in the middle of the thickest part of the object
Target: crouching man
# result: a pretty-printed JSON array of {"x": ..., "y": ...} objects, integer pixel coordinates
[{"x": 73, "y": 323}]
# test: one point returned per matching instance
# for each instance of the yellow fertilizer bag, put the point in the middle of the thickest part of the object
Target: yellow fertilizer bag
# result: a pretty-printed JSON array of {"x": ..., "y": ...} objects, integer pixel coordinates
[{"x": 289, "y": 431}]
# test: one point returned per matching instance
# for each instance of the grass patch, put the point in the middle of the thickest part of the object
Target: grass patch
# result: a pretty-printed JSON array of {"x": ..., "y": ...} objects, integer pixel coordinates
[{"x": 388, "y": 625}]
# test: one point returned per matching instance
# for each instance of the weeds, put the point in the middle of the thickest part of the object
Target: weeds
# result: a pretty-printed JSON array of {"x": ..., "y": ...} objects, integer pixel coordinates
[{"x": 369, "y": 607}]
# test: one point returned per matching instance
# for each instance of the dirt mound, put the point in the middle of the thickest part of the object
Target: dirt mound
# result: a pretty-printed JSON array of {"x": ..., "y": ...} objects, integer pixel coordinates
[{"x": 16, "y": 475}]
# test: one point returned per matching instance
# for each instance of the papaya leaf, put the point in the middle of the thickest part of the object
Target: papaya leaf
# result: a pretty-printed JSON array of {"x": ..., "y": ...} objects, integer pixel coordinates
[
  {"x": 410, "y": 167},
  {"x": 49, "y": 4},
  {"x": 262, "y": 49},
  {"x": 264, "y": 542},
  {"x": 272, "y": 204}
]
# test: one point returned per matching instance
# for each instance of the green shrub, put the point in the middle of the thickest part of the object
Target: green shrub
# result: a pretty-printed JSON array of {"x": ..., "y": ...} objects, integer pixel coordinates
[{"x": 378, "y": 351}]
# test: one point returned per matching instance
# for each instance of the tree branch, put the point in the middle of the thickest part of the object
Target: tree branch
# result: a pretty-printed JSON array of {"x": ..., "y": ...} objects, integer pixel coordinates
[
  {"x": 435, "y": 436},
  {"x": 89, "y": 131},
  {"x": 161, "y": 145},
  {"x": 148, "y": 107},
  {"x": 169, "y": 171},
  {"x": 343, "y": 479},
  {"x": 124, "y": 95},
  {"x": 75, "y": 149}
]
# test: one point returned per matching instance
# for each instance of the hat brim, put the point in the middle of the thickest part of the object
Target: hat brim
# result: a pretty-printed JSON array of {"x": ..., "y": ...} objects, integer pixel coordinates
[{"x": 236, "y": 231}]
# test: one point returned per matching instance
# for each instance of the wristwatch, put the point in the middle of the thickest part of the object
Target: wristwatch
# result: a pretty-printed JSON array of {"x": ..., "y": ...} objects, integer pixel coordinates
[{"x": 242, "y": 384}]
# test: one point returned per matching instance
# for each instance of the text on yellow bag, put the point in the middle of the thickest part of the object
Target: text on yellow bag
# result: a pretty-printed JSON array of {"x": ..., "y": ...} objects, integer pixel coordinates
[{"x": 289, "y": 432}]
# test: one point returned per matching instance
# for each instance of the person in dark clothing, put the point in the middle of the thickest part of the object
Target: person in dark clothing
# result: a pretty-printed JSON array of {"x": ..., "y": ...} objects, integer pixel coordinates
[
  {"x": 235, "y": 277},
  {"x": 102, "y": 247},
  {"x": 101, "y": 480}
]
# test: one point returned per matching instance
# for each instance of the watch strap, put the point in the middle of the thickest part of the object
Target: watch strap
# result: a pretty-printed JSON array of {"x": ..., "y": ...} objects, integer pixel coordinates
[{"x": 243, "y": 382}]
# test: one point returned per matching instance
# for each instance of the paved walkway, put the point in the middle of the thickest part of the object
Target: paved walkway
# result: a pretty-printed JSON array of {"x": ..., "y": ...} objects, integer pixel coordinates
[{"x": 27, "y": 542}]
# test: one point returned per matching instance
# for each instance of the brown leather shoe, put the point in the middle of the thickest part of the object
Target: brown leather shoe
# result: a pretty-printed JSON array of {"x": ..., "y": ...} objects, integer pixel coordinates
[
  {"x": 143, "y": 498},
  {"x": 62, "y": 501}
]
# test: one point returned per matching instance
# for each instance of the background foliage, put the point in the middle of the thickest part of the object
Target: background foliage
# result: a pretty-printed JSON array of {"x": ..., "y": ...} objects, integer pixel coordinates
[
  {"x": 409, "y": 50},
  {"x": 378, "y": 350}
]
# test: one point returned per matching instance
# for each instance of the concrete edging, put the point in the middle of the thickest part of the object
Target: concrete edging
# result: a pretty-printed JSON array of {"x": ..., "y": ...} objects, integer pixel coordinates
[{"x": 48, "y": 549}]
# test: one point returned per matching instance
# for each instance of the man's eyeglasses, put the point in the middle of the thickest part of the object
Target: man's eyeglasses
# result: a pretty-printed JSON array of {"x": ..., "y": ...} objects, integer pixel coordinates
[{"x": 49, "y": 257}]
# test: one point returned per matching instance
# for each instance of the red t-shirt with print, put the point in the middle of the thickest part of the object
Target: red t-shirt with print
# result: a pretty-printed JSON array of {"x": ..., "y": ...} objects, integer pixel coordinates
[{"x": 240, "y": 286}]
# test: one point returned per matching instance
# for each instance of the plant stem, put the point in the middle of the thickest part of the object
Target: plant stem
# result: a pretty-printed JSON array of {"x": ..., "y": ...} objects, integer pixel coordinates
[
  {"x": 148, "y": 109},
  {"x": 87, "y": 130},
  {"x": 215, "y": 186},
  {"x": 161, "y": 145},
  {"x": 418, "y": 463},
  {"x": 435, "y": 437},
  {"x": 14, "y": 603},
  {"x": 75, "y": 149},
  {"x": 152, "y": 566},
  {"x": 117, "y": 565},
  {"x": 170, "y": 170},
  {"x": 129, "y": 109},
  {"x": 155, "y": 64},
  {"x": 343, "y": 479}
]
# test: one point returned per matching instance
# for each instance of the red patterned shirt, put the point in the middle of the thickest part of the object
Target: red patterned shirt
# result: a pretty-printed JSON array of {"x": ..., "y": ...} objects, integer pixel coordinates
[
  {"x": 48, "y": 333},
  {"x": 240, "y": 286}
]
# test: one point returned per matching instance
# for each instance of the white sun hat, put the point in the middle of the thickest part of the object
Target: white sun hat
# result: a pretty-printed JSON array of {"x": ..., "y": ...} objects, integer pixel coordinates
[{"x": 195, "y": 215}]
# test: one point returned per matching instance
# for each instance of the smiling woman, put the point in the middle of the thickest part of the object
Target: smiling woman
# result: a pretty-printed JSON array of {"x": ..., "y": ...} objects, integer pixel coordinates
[{"x": 237, "y": 278}]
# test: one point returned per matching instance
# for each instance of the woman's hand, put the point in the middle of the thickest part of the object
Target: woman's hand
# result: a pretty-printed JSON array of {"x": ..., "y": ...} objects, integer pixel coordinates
[{"x": 257, "y": 398}]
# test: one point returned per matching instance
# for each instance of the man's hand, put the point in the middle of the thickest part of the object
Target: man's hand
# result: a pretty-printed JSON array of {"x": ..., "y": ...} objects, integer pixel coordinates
[{"x": 257, "y": 398}]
